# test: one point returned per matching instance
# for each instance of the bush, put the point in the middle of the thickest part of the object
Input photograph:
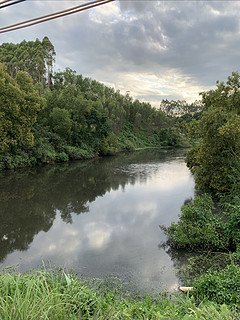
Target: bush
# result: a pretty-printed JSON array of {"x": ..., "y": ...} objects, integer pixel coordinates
[
  {"x": 191, "y": 158},
  {"x": 198, "y": 227},
  {"x": 219, "y": 286},
  {"x": 76, "y": 153},
  {"x": 19, "y": 160},
  {"x": 62, "y": 157},
  {"x": 235, "y": 178},
  {"x": 43, "y": 151},
  {"x": 109, "y": 145},
  {"x": 172, "y": 137},
  {"x": 232, "y": 228}
]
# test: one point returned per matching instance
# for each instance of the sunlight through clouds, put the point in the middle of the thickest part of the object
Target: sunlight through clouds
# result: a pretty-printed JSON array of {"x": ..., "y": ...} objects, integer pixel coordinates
[{"x": 153, "y": 88}]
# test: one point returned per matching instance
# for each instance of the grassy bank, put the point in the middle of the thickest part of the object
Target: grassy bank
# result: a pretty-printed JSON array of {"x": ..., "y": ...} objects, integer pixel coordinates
[{"x": 57, "y": 295}]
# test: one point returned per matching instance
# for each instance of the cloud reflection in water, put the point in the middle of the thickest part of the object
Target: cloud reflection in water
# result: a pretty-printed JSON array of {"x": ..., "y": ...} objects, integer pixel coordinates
[{"x": 119, "y": 235}]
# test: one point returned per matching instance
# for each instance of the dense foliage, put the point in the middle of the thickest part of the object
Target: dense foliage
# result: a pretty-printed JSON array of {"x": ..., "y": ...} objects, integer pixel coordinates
[
  {"x": 34, "y": 57},
  {"x": 212, "y": 220},
  {"x": 64, "y": 116},
  {"x": 201, "y": 227},
  {"x": 215, "y": 159},
  {"x": 19, "y": 106},
  {"x": 220, "y": 286}
]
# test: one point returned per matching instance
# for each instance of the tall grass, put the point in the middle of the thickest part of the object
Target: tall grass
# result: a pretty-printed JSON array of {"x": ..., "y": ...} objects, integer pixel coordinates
[{"x": 55, "y": 295}]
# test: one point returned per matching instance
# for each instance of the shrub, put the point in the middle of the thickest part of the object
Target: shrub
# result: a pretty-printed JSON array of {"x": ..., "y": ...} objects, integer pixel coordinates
[
  {"x": 19, "y": 160},
  {"x": 43, "y": 151},
  {"x": 76, "y": 153},
  {"x": 220, "y": 286},
  {"x": 232, "y": 228},
  {"x": 109, "y": 145},
  {"x": 62, "y": 157},
  {"x": 198, "y": 227}
]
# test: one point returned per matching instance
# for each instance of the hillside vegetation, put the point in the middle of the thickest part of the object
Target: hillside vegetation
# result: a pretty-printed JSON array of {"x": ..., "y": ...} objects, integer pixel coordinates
[{"x": 47, "y": 117}]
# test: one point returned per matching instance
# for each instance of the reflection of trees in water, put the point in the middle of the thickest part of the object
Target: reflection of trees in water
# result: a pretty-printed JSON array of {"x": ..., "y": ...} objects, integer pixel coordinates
[
  {"x": 180, "y": 257},
  {"x": 30, "y": 198},
  {"x": 192, "y": 264},
  {"x": 180, "y": 261}
]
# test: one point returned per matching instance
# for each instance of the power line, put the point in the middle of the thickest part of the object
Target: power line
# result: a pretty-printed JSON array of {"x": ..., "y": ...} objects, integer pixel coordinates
[
  {"x": 52, "y": 16},
  {"x": 2, "y": 5},
  {"x": 2, "y": 2}
]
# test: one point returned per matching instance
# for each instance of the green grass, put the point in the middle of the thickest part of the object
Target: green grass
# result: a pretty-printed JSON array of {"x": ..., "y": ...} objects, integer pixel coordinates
[{"x": 55, "y": 295}]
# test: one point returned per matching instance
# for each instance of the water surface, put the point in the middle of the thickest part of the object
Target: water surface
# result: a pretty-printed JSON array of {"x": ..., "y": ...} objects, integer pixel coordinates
[{"x": 100, "y": 218}]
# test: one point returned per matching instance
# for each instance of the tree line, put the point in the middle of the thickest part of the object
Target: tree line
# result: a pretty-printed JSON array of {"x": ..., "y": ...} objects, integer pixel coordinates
[{"x": 47, "y": 117}]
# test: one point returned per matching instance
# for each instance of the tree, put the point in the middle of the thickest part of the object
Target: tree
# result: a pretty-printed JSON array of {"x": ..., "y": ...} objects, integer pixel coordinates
[
  {"x": 19, "y": 106},
  {"x": 49, "y": 54},
  {"x": 61, "y": 122},
  {"x": 214, "y": 159},
  {"x": 180, "y": 107},
  {"x": 33, "y": 57}
]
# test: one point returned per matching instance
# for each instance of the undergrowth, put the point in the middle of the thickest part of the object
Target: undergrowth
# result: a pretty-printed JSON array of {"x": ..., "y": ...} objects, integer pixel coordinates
[{"x": 56, "y": 295}]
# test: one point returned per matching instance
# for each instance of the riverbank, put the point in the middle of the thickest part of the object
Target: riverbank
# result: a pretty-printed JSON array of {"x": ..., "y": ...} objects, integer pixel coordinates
[
  {"x": 71, "y": 153},
  {"x": 58, "y": 295},
  {"x": 53, "y": 149}
]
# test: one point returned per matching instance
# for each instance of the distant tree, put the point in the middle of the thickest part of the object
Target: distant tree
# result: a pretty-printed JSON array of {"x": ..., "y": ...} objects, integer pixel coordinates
[
  {"x": 180, "y": 107},
  {"x": 49, "y": 58},
  {"x": 33, "y": 57}
]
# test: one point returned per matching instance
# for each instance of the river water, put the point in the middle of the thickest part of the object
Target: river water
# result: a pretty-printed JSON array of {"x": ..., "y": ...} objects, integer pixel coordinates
[{"x": 99, "y": 218}]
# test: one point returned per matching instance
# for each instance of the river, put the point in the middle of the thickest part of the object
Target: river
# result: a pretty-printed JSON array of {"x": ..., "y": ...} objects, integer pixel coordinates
[{"x": 99, "y": 218}]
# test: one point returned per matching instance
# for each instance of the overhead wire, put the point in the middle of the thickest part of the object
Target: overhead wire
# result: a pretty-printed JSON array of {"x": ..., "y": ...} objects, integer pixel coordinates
[
  {"x": 2, "y": 2},
  {"x": 52, "y": 16},
  {"x": 2, "y": 5}
]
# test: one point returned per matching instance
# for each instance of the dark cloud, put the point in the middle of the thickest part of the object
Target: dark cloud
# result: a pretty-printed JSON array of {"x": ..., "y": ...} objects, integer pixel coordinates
[{"x": 199, "y": 41}]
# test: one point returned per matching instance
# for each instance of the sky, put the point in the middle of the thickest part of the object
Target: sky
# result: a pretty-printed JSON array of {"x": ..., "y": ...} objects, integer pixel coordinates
[{"x": 153, "y": 50}]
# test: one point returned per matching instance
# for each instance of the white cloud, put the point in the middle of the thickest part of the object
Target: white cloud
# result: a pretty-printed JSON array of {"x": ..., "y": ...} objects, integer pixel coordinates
[
  {"x": 98, "y": 234},
  {"x": 102, "y": 16}
]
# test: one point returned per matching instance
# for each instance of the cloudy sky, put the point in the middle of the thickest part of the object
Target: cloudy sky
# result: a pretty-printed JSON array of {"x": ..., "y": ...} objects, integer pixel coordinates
[{"x": 153, "y": 49}]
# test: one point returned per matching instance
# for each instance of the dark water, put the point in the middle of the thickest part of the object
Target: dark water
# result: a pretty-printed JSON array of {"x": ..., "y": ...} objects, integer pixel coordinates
[{"x": 100, "y": 218}]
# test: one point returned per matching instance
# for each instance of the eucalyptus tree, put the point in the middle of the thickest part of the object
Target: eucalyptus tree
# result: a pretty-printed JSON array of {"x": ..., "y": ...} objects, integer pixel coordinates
[{"x": 34, "y": 57}]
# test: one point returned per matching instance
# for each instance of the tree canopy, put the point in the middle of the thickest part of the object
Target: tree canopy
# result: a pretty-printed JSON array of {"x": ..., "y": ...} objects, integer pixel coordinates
[
  {"x": 215, "y": 159},
  {"x": 34, "y": 57},
  {"x": 19, "y": 105}
]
